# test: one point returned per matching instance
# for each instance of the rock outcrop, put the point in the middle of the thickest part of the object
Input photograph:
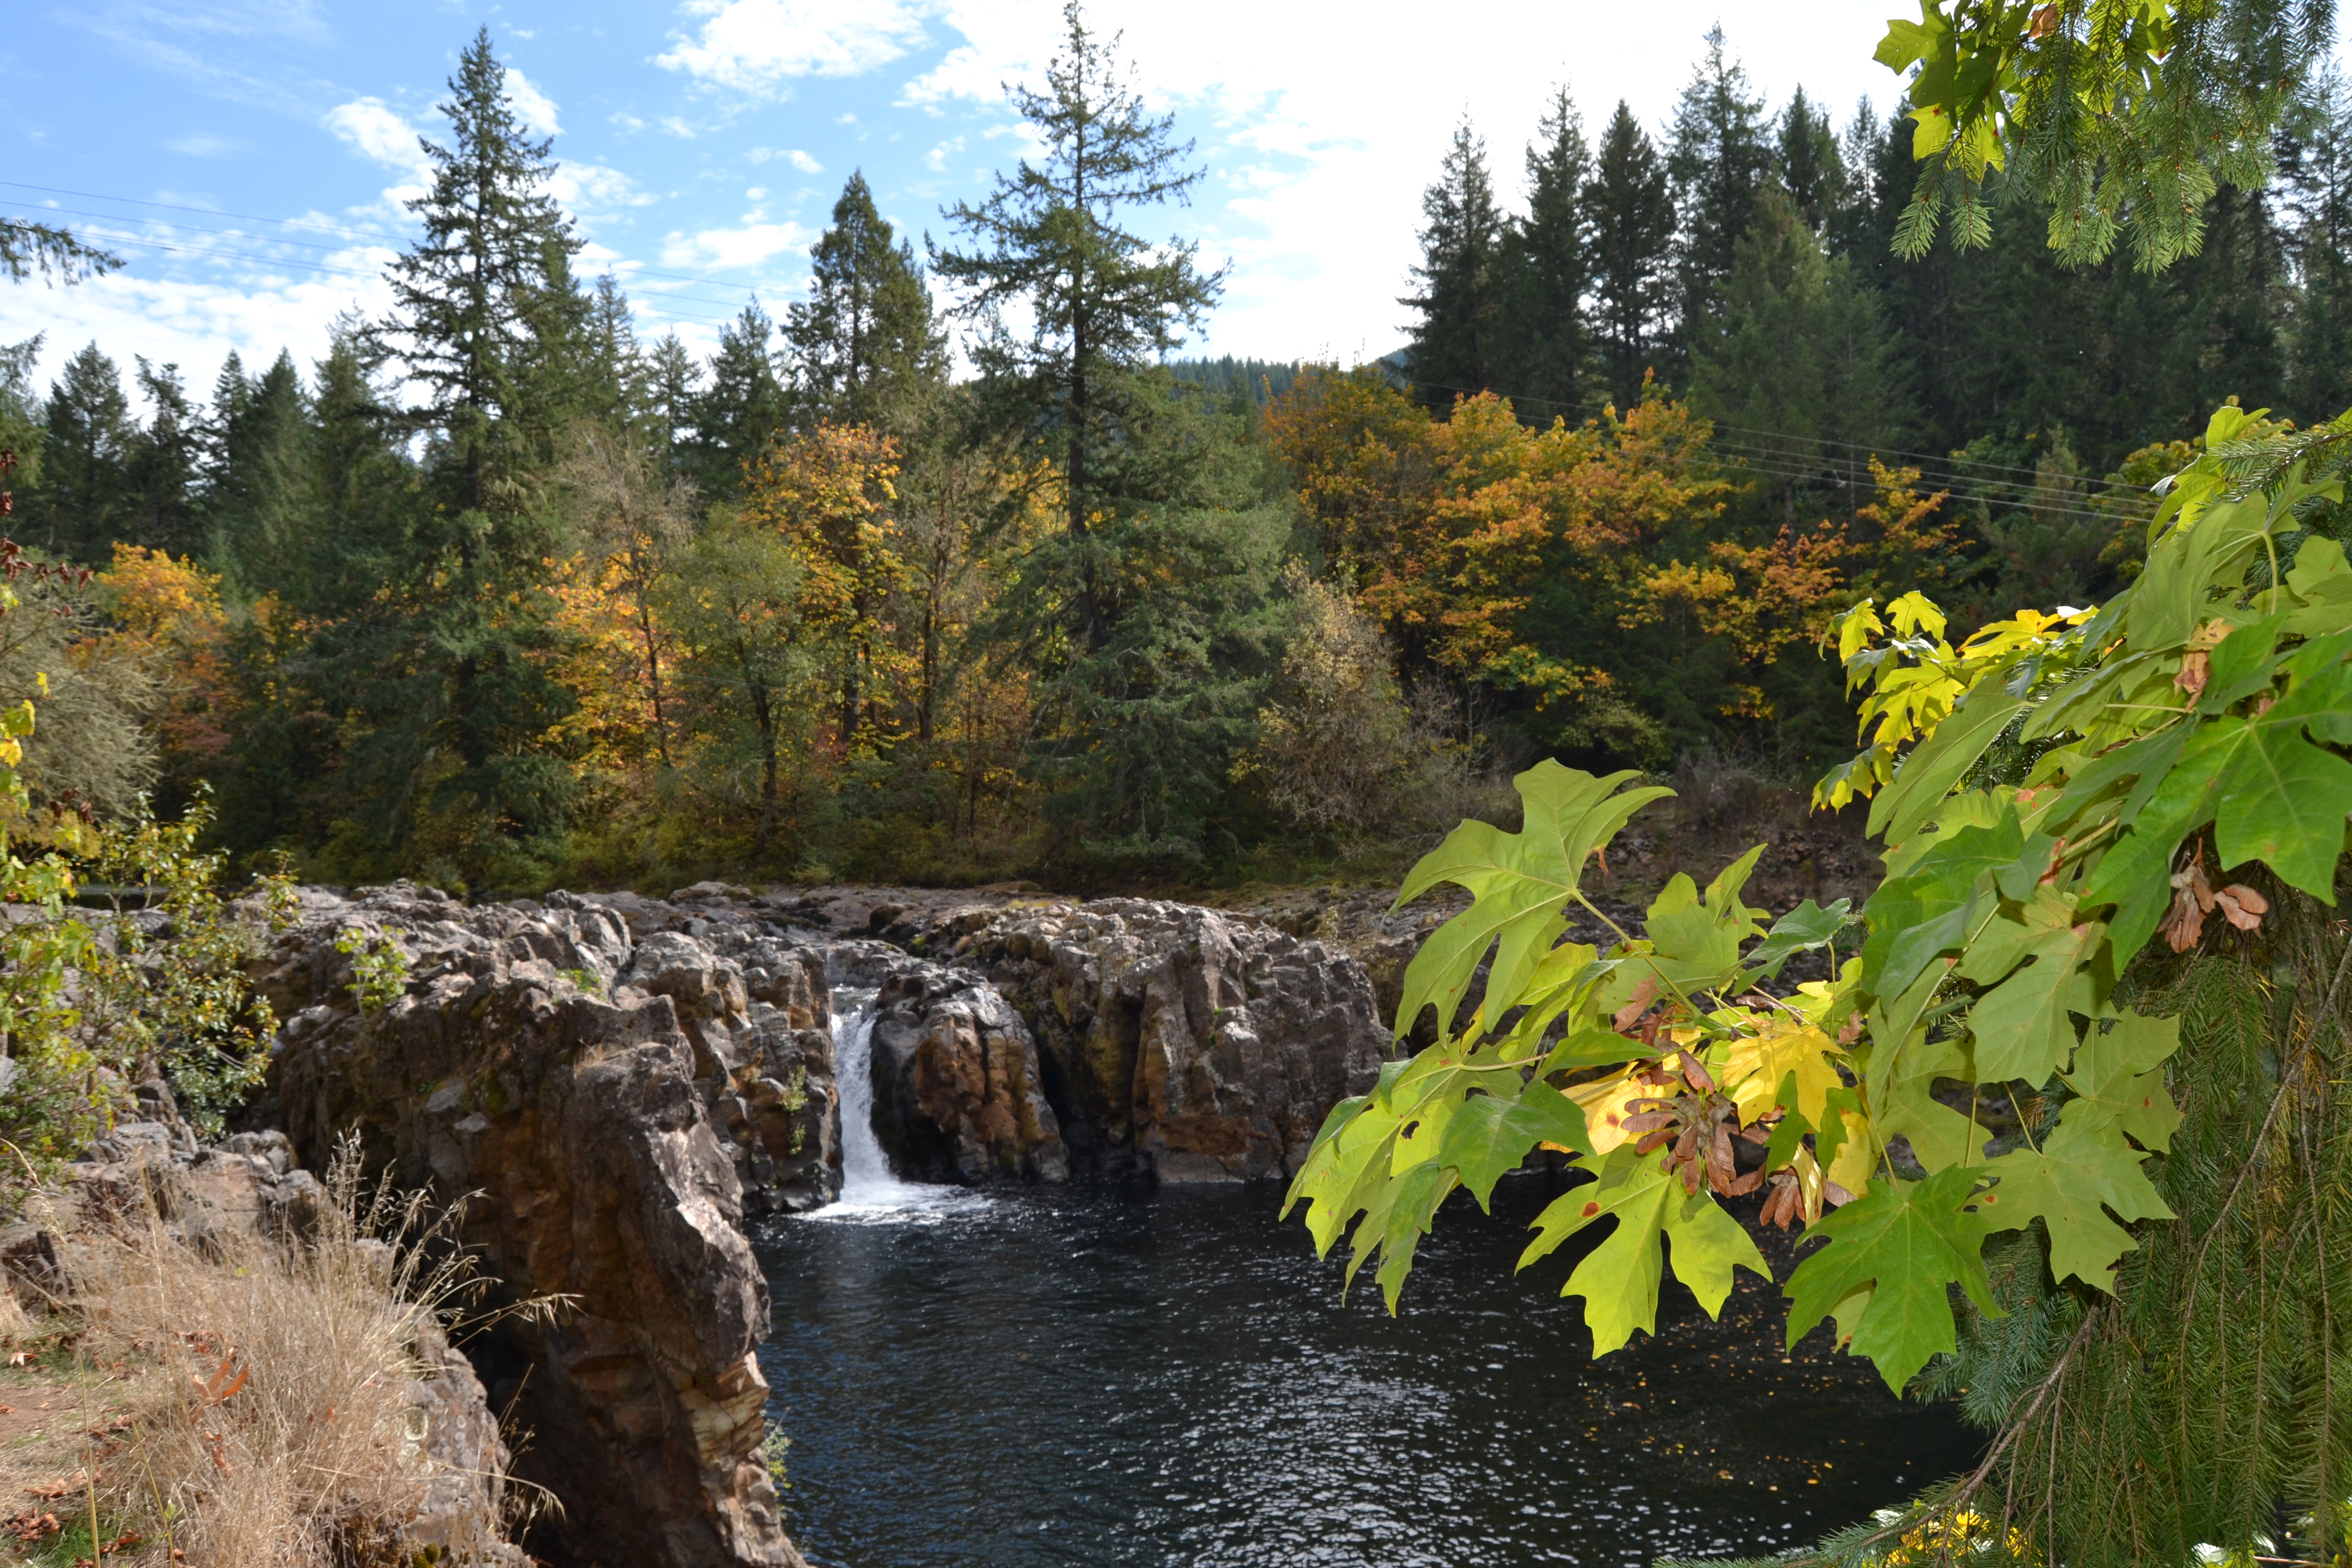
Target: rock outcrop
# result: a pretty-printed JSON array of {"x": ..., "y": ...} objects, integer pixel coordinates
[
  {"x": 959, "y": 1091},
  {"x": 1174, "y": 1041},
  {"x": 548, "y": 1060}
]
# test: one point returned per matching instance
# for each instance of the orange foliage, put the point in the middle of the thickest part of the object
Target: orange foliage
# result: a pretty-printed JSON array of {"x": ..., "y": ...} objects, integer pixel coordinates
[
  {"x": 1449, "y": 527},
  {"x": 831, "y": 495},
  {"x": 167, "y": 614},
  {"x": 616, "y": 659}
]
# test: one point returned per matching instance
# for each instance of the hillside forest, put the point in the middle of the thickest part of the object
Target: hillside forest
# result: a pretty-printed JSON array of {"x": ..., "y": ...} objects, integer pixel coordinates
[{"x": 958, "y": 568}]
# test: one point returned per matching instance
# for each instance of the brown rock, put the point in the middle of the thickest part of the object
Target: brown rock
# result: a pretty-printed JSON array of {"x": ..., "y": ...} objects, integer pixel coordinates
[{"x": 580, "y": 1123}]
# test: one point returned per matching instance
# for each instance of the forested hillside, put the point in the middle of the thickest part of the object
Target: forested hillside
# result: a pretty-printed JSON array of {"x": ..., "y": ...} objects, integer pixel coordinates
[{"x": 957, "y": 568}]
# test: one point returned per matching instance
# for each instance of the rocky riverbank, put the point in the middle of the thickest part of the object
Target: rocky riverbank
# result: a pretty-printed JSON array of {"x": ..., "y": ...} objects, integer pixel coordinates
[{"x": 627, "y": 1082}]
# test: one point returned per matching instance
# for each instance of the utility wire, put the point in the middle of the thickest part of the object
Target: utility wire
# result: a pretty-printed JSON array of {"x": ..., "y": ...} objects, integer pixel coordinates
[
  {"x": 315, "y": 228},
  {"x": 265, "y": 262},
  {"x": 1961, "y": 485}
]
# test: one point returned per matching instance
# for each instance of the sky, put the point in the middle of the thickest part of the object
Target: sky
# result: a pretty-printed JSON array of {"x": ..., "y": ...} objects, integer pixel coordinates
[{"x": 248, "y": 158}]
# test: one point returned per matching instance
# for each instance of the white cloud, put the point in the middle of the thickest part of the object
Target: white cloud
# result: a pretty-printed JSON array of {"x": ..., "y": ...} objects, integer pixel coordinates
[
  {"x": 533, "y": 107},
  {"x": 627, "y": 122},
  {"x": 804, "y": 163},
  {"x": 378, "y": 131},
  {"x": 677, "y": 127},
  {"x": 589, "y": 187},
  {"x": 203, "y": 144},
  {"x": 194, "y": 322},
  {"x": 747, "y": 246},
  {"x": 937, "y": 158},
  {"x": 757, "y": 45}
]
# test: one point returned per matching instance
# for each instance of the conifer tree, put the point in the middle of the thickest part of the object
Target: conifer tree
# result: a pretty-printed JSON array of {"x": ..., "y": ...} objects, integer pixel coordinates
[
  {"x": 488, "y": 324},
  {"x": 161, "y": 465},
  {"x": 735, "y": 416},
  {"x": 482, "y": 303},
  {"x": 1458, "y": 341},
  {"x": 2318, "y": 166},
  {"x": 1810, "y": 164},
  {"x": 1103, "y": 301},
  {"x": 257, "y": 494},
  {"x": 1719, "y": 158},
  {"x": 85, "y": 499},
  {"x": 1632, "y": 213},
  {"x": 1549, "y": 340},
  {"x": 864, "y": 343}
]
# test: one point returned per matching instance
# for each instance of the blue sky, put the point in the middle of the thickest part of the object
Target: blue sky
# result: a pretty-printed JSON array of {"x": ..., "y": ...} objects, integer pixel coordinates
[{"x": 703, "y": 143}]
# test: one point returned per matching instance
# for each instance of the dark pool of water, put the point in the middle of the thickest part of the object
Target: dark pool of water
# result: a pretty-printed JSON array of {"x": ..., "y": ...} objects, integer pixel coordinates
[{"x": 1169, "y": 1377}]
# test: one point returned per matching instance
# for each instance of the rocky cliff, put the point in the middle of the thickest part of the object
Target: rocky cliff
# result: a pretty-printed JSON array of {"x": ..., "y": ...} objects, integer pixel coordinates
[
  {"x": 544, "y": 1058},
  {"x": 625, "y": 1080},
  {"x": 1175, "y": 1042}
]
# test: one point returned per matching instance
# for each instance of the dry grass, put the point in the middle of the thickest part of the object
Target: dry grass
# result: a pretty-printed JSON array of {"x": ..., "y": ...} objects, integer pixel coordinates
[{"x": 244, "y": 1405}]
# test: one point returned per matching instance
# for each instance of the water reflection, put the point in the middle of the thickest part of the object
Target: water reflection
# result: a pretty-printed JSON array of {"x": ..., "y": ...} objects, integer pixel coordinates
[{"x": 1120, "y": 1377}]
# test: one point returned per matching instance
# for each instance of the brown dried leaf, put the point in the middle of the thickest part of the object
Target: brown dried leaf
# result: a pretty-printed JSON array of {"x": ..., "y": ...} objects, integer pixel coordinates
[{"x": 2241, "y": 906}]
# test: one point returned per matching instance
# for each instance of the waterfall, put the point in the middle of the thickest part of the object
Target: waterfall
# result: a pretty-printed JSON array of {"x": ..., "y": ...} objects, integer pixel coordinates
[{"x": 866, "y": 1178}]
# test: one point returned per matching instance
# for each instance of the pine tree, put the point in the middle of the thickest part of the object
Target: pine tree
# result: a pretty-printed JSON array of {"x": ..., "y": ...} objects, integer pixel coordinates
[
  {"x": 1102, "y": 300},
  {"x": 162, "y": 462},
  {"x": 1458, "y": 341},
  {"x": 1718, "y": 163},
  {"x": 865, "y": 343},
  {"x": 84, "y": 502},
  {"x": 2317, "y": 166},
  {"x": 1799, "y": 349},
  {"x": 257, "y": 486},
  {"x": 736, "y": 416},
  {"x": 1548, "y": 254},
  {"x": 481, "y": 305},
  {"x": 1632, "y": 211},
  {"x": 489, "y": 325},
  {"x": 1810, "y": 163}
]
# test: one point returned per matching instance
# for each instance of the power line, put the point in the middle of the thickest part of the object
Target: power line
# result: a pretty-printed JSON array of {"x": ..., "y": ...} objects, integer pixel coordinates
[
  {"x": 1943, "y": 477},
  {"x": 315, "y": 228},
  {"x": 264, "y": 260}
]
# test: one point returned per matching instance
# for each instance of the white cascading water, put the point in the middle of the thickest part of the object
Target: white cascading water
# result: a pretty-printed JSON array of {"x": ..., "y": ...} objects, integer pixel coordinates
[
  {"x": 866, "y": 1178},
  {"x": 868, "y": 1189}
]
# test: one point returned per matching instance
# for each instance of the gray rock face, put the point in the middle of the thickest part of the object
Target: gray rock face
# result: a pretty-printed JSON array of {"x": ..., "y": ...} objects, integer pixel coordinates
[
  {"x": 959, "y": 1093},
  {"x": 583, "y": 1122},
  {"x": 1175, "y": 1041}
]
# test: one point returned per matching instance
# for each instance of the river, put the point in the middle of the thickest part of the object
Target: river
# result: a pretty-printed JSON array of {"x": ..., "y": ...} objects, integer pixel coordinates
[{"x": 1123, "y": 1376}]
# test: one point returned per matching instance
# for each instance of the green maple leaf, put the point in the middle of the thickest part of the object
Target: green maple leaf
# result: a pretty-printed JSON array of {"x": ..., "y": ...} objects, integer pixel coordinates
[
  {"x": 2023, "y": 1027},
  {"x": 1520, "y": 882},
  {"x": 1929, "y": 773},
  {"x": 1488, "y": 1136},
  {"x": 1906, "y": 1241},
  {"x": 1902, "y": 1082},
  {"x": 2083, "y": 1170},
  {"x": 1619, "y": 1280},
  {"x": 2118, "y": 1075},
  {"x": 1930, "y": 909}
]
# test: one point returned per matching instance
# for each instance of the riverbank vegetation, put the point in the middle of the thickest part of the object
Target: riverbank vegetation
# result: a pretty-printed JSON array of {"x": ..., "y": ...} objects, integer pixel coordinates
[{"x": 497, "y": 594}]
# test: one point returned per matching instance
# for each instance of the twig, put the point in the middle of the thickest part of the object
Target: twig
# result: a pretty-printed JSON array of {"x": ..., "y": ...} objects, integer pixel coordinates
[{"x": 1970, "y": 1488}]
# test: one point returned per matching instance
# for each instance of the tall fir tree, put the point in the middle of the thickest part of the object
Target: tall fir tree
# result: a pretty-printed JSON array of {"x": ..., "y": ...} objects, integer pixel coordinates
[
  {"x": 489, "y": 325},
  {"x": 1630, "y": 209},
  {"x": 257, "y": 495},
  {"x": 162, "y": 463},
  {"x": 1719, "y": 158},
  {"x": 85, "y": 500},
  {"x": 1458, "y": 341},
  {"x": 2317, "y": 170},
  {"x": 1547, "y": 341},
  {"x": 735, "y": 416},
  {"x": 1102, "y": 300},
  {"x": 1810, "y": 163},
  {"x": 863, "y": 345}
]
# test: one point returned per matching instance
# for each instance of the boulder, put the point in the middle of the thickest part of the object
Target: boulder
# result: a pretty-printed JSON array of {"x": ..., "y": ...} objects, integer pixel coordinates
[
  {"x": 959, "y": 1093},
  {"x": 1176, "y": 1042},
  {"x": 526, "y": 1064}
]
